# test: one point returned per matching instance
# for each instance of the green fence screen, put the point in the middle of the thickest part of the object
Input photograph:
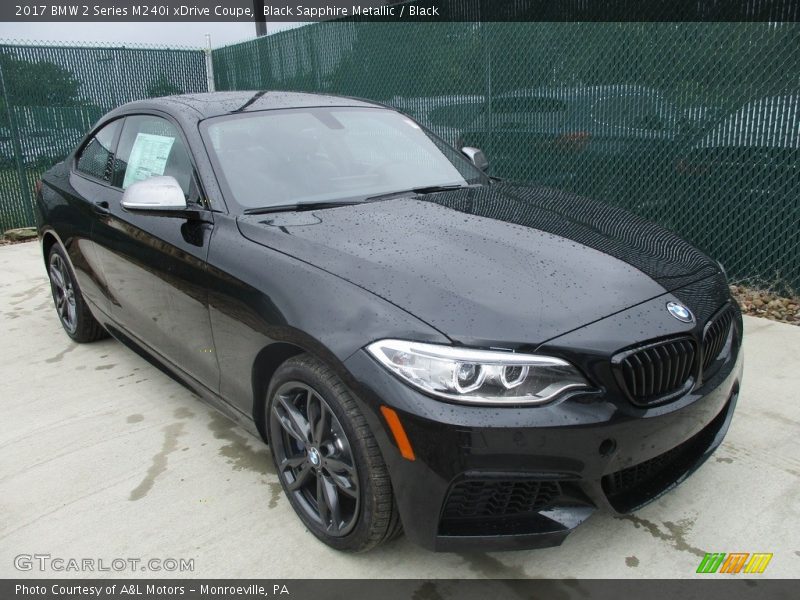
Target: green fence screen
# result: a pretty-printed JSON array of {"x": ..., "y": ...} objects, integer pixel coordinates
[
  {"x": 51, "y": 95},
  {"x": 693, "y": 125}
]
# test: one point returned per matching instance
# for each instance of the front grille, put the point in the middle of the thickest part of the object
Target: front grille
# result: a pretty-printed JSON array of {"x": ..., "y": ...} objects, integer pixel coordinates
[
  {"x": 654, "y": 373},
  {"x": 715, "y": 336},
  {"x": 491, "y": 498}
]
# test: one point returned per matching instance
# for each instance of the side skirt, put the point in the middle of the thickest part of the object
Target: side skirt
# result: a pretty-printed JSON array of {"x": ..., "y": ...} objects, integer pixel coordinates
[{"x": 211, "y": 398}]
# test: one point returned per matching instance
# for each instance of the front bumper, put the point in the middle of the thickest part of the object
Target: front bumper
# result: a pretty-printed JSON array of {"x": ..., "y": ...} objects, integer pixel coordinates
[{"x": 513, "y": 478}]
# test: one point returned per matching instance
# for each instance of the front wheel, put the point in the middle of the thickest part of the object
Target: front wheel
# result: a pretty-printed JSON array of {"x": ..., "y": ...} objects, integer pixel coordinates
[{"x": 327, "y": 459}]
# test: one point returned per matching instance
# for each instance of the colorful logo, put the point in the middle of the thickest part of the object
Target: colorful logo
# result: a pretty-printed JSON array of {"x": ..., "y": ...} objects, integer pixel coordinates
[{"x": 734, "y": 562}]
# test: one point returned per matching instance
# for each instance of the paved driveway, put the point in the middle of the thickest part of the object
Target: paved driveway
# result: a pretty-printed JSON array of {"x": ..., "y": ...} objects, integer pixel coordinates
[{"x": 102, "y": 456}]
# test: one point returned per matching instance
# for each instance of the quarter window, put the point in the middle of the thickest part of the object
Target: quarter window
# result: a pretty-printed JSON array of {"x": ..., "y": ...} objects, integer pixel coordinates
[
  {"x": 148, "y": 147},
  {"x": 95, "y": 158}
]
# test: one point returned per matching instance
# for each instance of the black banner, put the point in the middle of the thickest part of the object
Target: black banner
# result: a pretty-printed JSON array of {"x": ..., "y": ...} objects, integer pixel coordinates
[
  {"x": 399, "y": 11},
  {"x": 396, "y": 589}
]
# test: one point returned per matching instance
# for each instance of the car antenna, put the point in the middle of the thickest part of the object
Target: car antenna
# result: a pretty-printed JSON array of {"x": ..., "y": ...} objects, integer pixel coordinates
[{"x": 252, "y": 100}]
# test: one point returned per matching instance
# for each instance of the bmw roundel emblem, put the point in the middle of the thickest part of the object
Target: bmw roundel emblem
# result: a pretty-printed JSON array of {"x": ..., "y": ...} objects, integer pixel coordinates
[{"x": 680, "y": 312}]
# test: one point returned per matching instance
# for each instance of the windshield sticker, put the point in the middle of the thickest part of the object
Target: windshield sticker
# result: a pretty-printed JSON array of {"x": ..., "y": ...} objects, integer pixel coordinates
[{"x": 148, "y": 157}]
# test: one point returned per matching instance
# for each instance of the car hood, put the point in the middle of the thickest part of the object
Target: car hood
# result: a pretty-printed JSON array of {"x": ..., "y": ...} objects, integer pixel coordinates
[{"x": 500, "y": 264}]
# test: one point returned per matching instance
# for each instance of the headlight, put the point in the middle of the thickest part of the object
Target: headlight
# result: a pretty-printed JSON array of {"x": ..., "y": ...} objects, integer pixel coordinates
[{"x": 477, "y": 376}]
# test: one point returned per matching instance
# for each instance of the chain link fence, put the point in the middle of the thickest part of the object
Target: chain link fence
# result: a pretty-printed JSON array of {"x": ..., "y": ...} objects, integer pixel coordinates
[
  {"x": 693, "y": 125},
  {"x": 51, "y": 95}
]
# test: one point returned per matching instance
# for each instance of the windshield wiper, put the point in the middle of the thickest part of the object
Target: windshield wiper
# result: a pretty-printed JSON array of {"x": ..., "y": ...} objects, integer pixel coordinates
[
  {"x": 297, "y": 206},
  {"x": 428, "y": 189}
]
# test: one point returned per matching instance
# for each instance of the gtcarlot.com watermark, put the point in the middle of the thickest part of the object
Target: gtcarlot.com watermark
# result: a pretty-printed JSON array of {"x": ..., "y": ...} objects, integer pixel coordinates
[{"x": 58, "y": 564}]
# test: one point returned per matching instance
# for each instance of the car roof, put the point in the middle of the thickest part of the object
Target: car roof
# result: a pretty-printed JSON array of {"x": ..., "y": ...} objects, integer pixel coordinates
[{"x": 214, "y": 104}]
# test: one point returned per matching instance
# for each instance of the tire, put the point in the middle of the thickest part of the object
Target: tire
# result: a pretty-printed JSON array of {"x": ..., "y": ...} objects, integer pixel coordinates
[
  {"x": 74, "y": 315},
  {"x": 350, "y": 470}
]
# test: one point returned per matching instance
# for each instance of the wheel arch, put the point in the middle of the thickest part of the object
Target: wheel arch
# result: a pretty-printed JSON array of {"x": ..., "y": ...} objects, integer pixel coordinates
[
  {"x": 273, "y": 355},
  {"x": 265, "y": 364},
  {"x": 49, "y": 239}
]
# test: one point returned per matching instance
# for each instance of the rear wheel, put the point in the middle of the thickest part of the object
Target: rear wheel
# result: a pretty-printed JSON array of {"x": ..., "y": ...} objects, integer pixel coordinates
[
  {"x": 327, "y": 459},
  {"x": 75, "y": 317}
]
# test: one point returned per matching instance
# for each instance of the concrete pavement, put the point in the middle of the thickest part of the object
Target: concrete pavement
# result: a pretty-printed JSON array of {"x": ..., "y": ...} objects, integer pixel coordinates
[{"x": 102, "y": 456}]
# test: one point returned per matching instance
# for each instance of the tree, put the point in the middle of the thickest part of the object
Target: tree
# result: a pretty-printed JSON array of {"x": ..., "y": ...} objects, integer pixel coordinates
[
  {"x": 38, "y": 83},
  {"x": 162, "y": 86}
]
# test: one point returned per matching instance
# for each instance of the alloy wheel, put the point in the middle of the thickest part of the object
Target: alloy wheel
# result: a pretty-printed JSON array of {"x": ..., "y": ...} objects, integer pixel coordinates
[
  {"x": 314, "y": 458},
  {"x": 63, "y": 292}
]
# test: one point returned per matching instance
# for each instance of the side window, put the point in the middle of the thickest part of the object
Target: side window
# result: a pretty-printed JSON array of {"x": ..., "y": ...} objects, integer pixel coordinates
[
  {"x": 148, "y": 147},
  {"x": 95, "y": 158}
]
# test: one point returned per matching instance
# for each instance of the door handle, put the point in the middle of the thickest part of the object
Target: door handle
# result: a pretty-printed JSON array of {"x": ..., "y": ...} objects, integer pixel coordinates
[{"x": 101, "y": 208}]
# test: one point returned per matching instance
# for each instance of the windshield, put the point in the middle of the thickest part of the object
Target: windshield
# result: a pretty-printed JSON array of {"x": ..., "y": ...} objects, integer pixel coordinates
[{"x": 297, "y": 156}]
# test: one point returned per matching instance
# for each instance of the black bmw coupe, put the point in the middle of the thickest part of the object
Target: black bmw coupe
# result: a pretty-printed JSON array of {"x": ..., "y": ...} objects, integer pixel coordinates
[{"x": 423, "y": 347}]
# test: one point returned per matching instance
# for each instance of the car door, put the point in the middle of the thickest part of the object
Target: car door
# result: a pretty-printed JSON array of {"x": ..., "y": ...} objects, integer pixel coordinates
[
  {"x": 155, "y": 264},
  {"x": 87, "y": 194}
]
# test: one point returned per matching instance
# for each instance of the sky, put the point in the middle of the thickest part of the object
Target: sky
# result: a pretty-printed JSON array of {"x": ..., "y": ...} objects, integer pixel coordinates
[{"x": 169, "y": 34}]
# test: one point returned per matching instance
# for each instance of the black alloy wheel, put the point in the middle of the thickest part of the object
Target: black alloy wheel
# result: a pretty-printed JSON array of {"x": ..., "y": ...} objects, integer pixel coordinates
[
  {"x": 63, "y": 292},
  {"x": 327, "y": 459},
  {"x": 75, "y": 316},
  {"x": 314, "y": 458}
]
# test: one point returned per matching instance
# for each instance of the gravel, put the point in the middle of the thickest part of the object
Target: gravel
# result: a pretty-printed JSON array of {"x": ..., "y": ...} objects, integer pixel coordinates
[
  {"x": 767, "y": 304},
  {"x": 18, "y": 236}
]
